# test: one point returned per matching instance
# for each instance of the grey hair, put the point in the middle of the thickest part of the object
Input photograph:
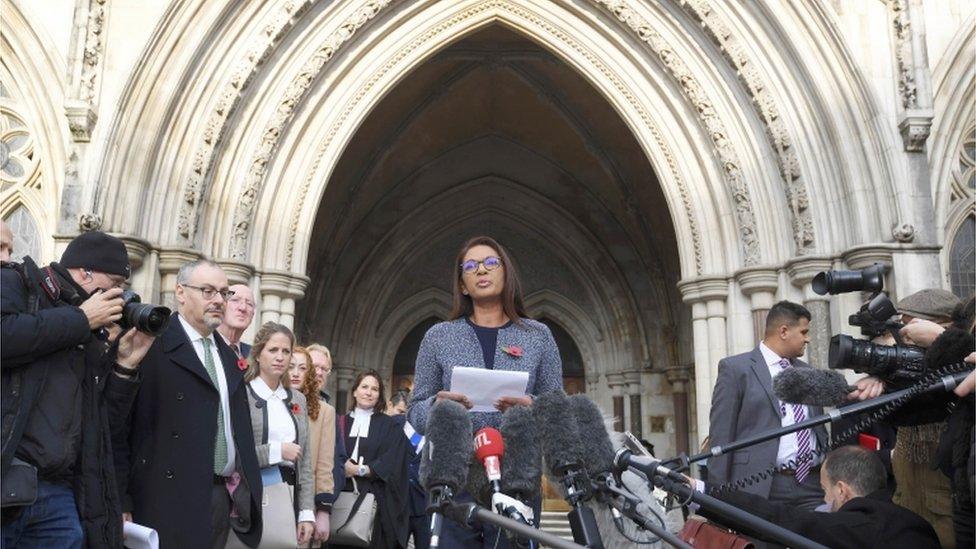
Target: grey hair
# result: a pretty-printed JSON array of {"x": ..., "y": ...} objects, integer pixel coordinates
[{"x": 186, "y": 270}]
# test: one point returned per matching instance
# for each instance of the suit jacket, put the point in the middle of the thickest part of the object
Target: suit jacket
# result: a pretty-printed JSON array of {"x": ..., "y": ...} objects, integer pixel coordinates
[
  {"x": 869, "y": 521},
  {"x": 743, "y": 404},
  {"x": 304, "y": 485},
  {"x": 166, "y": 463}
]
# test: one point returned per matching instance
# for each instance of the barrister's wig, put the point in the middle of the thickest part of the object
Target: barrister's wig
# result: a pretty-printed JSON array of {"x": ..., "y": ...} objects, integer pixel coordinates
[
  {"x": 511, "y": 296},
  {"x": 264, "y": 334}
]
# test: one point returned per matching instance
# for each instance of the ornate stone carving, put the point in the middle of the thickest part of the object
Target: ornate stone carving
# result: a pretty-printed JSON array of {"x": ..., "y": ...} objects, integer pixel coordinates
[
  {"x": 904, "y": 58},
  {"x": 712, "y": 124},
  {"x": 89, "y": 222},
  {"x": 915, "y": 128},
  {"x": 80, "y": 106},
  {"x": 194, "y": 188},
  {"x": 286, "y": 108},
  {"x": 763, "y": 99},
  {"x": 904, "y": 232},
  {"x": 607, "y": 74}
]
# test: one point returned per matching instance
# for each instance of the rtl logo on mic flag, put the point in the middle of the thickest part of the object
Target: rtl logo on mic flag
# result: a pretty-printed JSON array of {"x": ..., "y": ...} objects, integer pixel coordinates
[{"x": 489, "y": 449}]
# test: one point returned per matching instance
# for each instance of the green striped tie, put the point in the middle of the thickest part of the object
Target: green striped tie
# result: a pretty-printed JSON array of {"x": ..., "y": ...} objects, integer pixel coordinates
[{"x": 220, "y": 444}]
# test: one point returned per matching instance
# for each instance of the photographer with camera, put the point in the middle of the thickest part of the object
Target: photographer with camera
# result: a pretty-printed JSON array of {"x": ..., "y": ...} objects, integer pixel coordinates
[{"x": 65, "y": 389}]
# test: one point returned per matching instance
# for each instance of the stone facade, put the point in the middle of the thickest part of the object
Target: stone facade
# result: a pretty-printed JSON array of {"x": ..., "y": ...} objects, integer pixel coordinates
[{"x": 664, "y": 170}]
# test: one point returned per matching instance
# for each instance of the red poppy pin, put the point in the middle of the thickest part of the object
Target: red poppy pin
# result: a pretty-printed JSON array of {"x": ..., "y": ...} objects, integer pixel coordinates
[
  {"x": 295, "y": 408},
  {"x": 242, "y": 364},
  {"x": 512, "y": 350}
]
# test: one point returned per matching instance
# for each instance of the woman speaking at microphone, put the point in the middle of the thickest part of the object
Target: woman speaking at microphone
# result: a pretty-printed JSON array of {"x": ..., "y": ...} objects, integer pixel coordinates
[{"x": 488, "y": 328}]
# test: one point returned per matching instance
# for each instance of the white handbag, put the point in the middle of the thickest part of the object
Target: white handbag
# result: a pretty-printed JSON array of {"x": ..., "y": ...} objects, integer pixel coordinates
[
  {"x": 353, "y": 515},
  {"x": 279, "y": 530}
]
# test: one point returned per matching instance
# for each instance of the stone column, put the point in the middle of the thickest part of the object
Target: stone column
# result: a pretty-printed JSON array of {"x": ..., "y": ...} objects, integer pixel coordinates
[
  {"x": 678, "y": 378},
  {"x": 142, "y": 280},
  {"x": 616, "y": 383},
  {"x": 760, "y": 285},
  {"x": 707, "y": 297},
  {"x": 170, "y": 261},
  {"x": 633, "y": 389},
  {"x": 279, "y": 291},
  {"x": 801, "y": 271},
  {"x": 344, "y": 375}
]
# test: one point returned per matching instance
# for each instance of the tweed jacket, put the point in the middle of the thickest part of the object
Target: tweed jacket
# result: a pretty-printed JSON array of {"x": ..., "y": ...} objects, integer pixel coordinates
[
  {"x": 305, "y": 484},
  {"x": 454, "y": 343}
]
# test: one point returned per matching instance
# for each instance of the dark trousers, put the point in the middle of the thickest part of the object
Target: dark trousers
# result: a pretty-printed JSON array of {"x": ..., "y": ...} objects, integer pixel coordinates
[
  {"x": 806, "y": 495},
  {"x": 219, "y": 516},
  {"x": 420, "y": 530},
  {"x": 52, "y": 521}
]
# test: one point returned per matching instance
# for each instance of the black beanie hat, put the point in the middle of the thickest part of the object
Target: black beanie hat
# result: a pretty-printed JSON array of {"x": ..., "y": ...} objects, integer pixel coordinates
[{"x": 99, "y": 252}]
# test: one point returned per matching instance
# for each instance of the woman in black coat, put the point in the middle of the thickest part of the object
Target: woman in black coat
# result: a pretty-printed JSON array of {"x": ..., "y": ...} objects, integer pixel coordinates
[{"x": 376, "y": 447}]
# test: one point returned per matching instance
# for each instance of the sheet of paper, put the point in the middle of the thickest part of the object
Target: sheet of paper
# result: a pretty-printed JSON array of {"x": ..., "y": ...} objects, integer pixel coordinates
[
  {"x": 484, "y": 387},
  {"x": 138, "y": 536}
]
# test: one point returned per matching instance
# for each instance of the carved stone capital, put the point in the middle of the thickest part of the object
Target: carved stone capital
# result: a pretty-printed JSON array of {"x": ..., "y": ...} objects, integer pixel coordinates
[
  {"x": 283, "y": 284},
  {"x": 701, "y": 289},
  {"x": 678, "y": 377},
  {"x": 803, "y": 269},
  {"x": 860, "y": 257},
  {"x": 171, "y": 259},
  {"x": 616, "y": 380},
  {"x": 757, "y": 279},
  {"x": 81, "y": 119},
  {"x": 138, "y": 249},
  {"x": 915, "y": 127},
  {"x": 89, "y": 222},
  {"x": 237, "y": 272}
]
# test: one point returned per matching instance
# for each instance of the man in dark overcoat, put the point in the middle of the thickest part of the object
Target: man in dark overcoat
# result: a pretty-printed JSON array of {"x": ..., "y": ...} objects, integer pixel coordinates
[{"x": 189, "y": 460}]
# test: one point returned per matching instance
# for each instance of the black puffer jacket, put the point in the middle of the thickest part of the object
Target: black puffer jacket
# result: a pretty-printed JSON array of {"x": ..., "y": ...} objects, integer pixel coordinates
[{"x": 41, "y": 335}]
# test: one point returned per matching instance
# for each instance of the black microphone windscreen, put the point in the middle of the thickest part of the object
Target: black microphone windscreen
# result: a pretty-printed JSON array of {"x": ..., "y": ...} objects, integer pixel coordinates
[
  {"x": 449, "y": 447},
  {"x": 522, "y": 462},
  {"x": 594, "y": 438},
  {"x": 558, "y": 432},
  {"x": 478, "y": 485},
  {"x": 812, "y": 386}
]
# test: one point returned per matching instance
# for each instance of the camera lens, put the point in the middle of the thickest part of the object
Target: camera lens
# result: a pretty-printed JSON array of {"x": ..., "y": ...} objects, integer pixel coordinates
[
  {"x": 148, "y": 318},
  {"x": 870, "y": 279}
]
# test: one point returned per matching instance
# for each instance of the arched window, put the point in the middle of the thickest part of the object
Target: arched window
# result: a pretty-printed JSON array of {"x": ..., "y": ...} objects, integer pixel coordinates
[
  {"x": 962, "y": 255},
  {"x": 27, "y": 239}
]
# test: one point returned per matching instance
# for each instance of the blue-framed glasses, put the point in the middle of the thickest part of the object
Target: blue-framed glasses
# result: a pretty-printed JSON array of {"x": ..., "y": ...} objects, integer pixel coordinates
[{"x": 490, "y": 263}]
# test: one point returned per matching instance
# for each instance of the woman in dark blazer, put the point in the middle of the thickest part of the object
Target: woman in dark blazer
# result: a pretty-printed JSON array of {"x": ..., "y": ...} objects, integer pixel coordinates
[
  {"x": 377, "y": 460},
  {"x": 279, "y": 417}
]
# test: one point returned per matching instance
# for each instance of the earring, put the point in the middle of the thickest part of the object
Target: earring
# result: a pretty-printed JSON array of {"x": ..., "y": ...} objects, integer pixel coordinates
[{"x": 465, "y": 292}]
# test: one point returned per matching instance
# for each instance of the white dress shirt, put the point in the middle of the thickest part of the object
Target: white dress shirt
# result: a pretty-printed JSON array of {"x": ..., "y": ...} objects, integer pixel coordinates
[
  {"x": 788, "y": 443},
  {"x": 281, "y": 428},
  {"x": 196, "y": 339}
]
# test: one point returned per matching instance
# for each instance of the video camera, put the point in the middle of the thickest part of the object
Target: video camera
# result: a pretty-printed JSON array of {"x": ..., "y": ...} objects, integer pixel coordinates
[{"x": 875, "y": 318}]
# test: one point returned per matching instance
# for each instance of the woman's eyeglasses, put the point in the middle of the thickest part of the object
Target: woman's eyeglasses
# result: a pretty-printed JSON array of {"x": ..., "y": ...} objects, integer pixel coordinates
[{"x": 490, "y": 263}]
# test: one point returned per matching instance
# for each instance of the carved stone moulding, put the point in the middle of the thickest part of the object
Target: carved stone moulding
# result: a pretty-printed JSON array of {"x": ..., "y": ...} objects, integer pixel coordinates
[
  {"x": 757, "y": 279},
  {"x": 915, "y": 127},
  {"x": 803, "y": 269},
  {"x": 81, "y": 119},
  {"x": 237, "y": 272},
  {"x": 859, "y": 257},
  {"x": 708, "y": 288},
  {"x": 138, "y": 249}
]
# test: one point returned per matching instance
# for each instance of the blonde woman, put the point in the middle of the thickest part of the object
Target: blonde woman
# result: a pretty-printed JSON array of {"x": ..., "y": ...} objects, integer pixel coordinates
[{"x": 279, "y": 417}]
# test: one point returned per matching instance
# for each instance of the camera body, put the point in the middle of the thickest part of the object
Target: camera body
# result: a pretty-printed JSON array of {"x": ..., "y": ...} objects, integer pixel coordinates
[
  {"x": 898, "y": 362},
  {"x": 145, "y": 317}
]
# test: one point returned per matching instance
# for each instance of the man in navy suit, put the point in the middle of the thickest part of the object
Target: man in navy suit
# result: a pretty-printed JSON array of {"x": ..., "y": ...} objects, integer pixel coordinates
[
  {"x": 238, "y": 314},
  {"x": 188, "y": 466},
  {"x": 743, "y": 404}
]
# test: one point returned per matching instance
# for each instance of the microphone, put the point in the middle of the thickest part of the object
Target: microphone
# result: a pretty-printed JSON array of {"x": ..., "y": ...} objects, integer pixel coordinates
[
  {"x": 563, "y": 454},
  {"x": 597, "y": 450},
  {"x": 445, "y": 460},
  {"x": 489, "y": 449},
  {"x": 811, "y": 386},
  {"x": 522, "y": 467}
]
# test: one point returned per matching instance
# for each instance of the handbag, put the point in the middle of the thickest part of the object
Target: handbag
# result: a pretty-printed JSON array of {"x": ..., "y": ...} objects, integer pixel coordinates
[
  {"x": 353, "y": 513},
  {"x": 702, "y": 534},
  {"x": 278, "y": 515}
]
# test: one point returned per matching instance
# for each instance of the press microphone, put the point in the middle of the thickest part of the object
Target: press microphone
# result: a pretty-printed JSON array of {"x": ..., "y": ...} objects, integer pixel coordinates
[
  {"x": 445, "y": 460},
  {"x": 563, "y": 455},
  {"x": 489, "y": 447},
  {"x": 811, "y": 386},
  {"x": 597, "y": 451},
  {"x": 522, "y": 466}
]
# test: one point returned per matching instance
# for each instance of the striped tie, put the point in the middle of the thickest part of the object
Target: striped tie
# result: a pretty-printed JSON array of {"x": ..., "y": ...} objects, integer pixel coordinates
[
  {"x": 220, "y": 442},
  {"x": 803, "y": 446}
]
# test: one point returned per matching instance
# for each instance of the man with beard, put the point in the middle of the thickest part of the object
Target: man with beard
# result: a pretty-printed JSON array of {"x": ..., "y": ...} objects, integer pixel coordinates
[{"x": 189, "y": 461}]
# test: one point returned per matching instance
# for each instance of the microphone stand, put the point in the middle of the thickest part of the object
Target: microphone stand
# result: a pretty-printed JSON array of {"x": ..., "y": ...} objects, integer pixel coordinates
[
  {"x": 674, "y": 483},
  {"x": 626, "y": 504},
  {"x": 582, "y": 522},
  {"x": 466, "y": 514},
  {"x": 946, "y": 383}
]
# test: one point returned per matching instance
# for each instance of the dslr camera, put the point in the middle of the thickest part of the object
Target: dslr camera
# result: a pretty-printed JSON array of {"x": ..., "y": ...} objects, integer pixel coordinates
[{"x": 897, "y": 362}]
